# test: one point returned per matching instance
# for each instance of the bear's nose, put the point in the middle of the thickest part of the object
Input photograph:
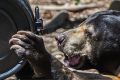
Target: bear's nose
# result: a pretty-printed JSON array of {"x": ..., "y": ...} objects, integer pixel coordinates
[{"x": 60, "y": 38}]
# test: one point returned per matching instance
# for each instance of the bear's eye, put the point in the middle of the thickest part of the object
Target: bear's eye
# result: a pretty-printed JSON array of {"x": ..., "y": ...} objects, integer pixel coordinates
[{"x": 75, "y": 44}]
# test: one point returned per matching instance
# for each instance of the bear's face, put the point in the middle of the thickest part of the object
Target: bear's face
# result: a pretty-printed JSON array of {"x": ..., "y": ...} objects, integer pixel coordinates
[
  {"x": 76, "y": 45},
  {"x": 86, "y": 41}
]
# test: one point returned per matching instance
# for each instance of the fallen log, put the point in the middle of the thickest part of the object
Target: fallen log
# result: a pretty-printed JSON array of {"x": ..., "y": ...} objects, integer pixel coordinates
[{"x": 73, "y": 8}]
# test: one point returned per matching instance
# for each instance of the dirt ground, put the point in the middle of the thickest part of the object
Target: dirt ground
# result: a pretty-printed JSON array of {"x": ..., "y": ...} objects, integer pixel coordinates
[{"x": 47, "y": 15}]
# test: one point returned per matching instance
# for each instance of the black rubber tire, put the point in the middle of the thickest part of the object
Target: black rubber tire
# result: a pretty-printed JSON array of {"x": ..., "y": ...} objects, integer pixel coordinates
[{"x": 14, "y": 15}]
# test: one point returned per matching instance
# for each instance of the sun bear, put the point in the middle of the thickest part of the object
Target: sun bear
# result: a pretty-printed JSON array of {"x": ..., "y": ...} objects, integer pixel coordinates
[{"x": 95, "y": 43}]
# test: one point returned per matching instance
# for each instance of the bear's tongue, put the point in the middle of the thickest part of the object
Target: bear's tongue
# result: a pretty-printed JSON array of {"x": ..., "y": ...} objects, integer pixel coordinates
[{"x": 74, "y": 60}]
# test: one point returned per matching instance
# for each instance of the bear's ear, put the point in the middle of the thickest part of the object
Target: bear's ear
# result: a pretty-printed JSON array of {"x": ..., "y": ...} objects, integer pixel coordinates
[{"x": 90, "y": 31}]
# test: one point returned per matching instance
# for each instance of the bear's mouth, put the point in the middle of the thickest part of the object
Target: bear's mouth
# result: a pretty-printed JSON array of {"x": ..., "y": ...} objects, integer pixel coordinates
[{"x": 73, "y": 60}]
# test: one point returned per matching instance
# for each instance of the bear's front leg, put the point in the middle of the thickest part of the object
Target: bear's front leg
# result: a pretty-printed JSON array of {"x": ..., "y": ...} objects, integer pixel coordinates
[{"x": 31, "y": 46}]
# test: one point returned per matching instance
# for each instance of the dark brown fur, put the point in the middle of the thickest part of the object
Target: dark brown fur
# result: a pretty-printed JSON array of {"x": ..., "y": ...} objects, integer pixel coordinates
[{"x": 105, "y": 56}]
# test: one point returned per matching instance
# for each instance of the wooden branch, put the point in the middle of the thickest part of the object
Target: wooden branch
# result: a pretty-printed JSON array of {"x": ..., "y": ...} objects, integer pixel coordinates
[
  {"x": 67, "y": 7},
  {"x": 56, "y": 22}
]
